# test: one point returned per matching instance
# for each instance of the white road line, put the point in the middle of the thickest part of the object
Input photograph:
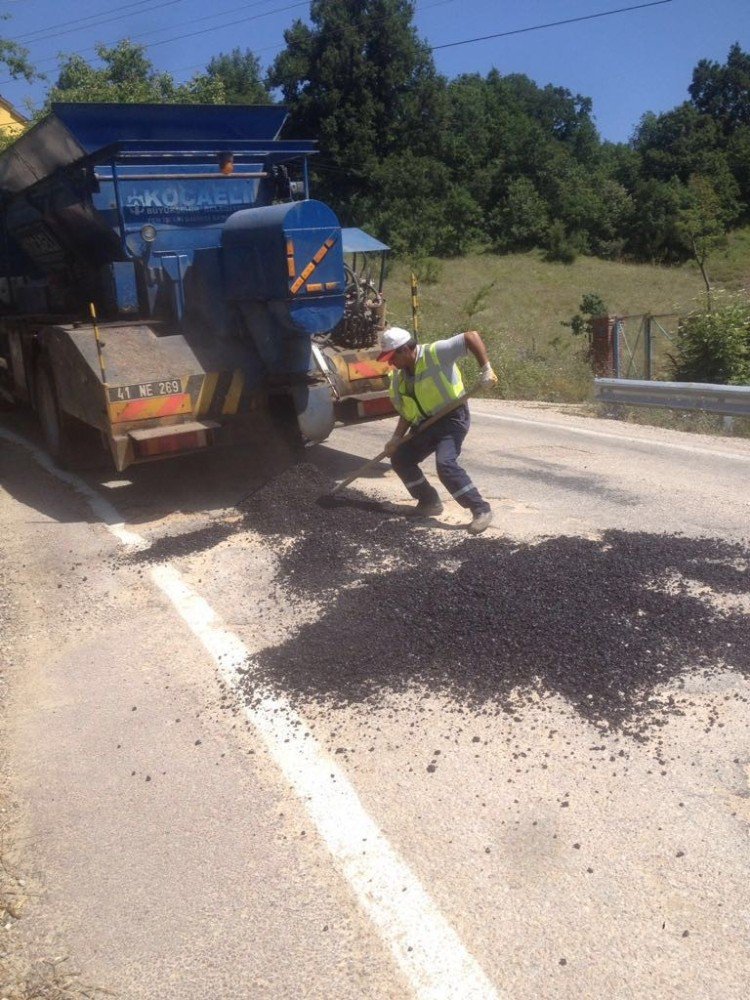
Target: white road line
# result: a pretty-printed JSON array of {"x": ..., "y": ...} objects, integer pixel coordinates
[
  {"x": 423, "y": 943},
  {"x": 425, "y": 946},
  {"x": 99, "y": 506},
  {"x": 692, "y": 449}
]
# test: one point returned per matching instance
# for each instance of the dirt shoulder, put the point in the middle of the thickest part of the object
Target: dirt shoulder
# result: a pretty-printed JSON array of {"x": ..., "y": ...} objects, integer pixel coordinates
[{"x": 27, "y": 969}]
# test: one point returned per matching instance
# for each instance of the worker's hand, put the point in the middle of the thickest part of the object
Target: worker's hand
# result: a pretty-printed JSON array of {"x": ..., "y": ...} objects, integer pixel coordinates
[
  {"x": 487, "y": 377},
  {"x": 391, "y": 446}
]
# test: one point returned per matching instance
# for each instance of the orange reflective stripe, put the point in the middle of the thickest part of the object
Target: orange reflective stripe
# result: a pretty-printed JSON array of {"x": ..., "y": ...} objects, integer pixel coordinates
[
  {"x": 323, "y": 251},
  {"x": 367, "y": 369},
  {"x": 147, "y": 409},
  {"x": 317, "y": 258},
  {"x": 290, "y": 263}
]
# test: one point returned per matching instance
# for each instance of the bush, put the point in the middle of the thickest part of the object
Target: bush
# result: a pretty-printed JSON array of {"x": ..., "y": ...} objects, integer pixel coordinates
[
  {"x": 592, "y": 305},
  {"x": 714, "y": 346},
  {"x": 429, "y": 270},
  {"x": 560, "y": 248}
]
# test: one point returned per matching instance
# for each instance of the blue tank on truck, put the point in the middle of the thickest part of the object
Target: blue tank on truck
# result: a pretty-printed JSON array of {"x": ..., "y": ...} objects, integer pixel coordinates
[{"x": 167, "y": 277}]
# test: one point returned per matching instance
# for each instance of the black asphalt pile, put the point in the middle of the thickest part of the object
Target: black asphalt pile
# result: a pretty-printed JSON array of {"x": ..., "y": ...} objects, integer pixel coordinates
[
  {"x": 605, "y": 624},
  {"x": 330, "y": 541}
]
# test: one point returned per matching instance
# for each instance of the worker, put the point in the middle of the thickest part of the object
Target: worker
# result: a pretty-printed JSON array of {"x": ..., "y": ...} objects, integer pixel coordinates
[{"x": 425, "y": 378}]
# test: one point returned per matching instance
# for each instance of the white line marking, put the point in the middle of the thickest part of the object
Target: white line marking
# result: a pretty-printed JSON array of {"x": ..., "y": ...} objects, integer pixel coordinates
[
  {"x": 99, "y": 506},
  {"x": 614, "y": 437},
  {"x": 423, "y": 943},
  {"x": 425, "y": 946}
]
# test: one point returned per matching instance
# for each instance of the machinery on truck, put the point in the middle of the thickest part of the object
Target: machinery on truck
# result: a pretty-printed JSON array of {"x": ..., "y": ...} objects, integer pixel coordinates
[{"x": 165, "y": 278}]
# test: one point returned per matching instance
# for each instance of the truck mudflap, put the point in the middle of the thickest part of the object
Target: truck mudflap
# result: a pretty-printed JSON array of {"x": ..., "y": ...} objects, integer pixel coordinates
[
  {"x": 145, "y": 442},
  {"x": 155, "y": 442}
]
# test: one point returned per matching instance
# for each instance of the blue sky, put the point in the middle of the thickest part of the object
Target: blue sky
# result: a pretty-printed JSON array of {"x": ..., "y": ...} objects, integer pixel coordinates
[{"x": 628, "y": 63}]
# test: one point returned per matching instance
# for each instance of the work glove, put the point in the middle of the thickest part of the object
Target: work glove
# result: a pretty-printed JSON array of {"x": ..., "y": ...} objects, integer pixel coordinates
[
  {"x": 487, "y": 377},
  {"x": 391, "y": 446}
]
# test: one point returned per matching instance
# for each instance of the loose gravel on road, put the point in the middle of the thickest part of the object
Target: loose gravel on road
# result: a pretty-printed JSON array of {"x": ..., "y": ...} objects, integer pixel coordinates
[
  {"x": 613, "y": 625},
  {"x": 610, "y": 624}
]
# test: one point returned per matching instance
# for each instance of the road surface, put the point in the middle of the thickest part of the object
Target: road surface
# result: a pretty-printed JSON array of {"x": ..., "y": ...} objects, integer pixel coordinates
[{"x": 262, "y": 748}]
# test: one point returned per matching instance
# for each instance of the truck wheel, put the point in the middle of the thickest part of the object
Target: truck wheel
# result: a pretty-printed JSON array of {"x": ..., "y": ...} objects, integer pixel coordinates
[{"x": 55, "y": 424}]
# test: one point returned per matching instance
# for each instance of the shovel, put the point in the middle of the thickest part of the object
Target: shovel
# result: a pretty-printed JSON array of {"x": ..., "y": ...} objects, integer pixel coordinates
[{"x": 412, "y": 433}]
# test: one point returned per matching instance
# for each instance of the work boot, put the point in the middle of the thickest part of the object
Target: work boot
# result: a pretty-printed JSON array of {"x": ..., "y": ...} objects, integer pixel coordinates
[
  {"x": 428, "y": 508},
  {"x": 480, "y": 521}
]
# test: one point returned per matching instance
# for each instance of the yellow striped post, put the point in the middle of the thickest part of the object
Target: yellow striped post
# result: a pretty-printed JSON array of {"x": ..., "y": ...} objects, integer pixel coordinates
[
  {"x": 415, "y": 305},
  {"x": 99, "y": 353}
]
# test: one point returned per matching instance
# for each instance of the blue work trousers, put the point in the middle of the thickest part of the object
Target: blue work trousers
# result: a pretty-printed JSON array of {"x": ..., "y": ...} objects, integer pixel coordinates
[{"x": 444, "y": 438}]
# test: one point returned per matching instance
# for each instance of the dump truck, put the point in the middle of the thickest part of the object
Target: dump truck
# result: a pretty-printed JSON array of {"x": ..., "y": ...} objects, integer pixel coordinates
[{"x": 167, "y": 279}]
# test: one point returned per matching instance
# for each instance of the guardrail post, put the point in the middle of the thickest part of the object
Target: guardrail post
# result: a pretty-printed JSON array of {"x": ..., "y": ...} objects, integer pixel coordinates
[{"x": 647, "y": 348}]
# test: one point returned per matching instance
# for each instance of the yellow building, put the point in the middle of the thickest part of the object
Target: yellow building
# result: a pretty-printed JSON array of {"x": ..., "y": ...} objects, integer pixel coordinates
[{"x": 12, "y": 122}]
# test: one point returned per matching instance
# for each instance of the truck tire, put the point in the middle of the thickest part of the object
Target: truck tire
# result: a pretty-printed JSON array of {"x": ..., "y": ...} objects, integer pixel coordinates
[{"x": 56, "y": 427}]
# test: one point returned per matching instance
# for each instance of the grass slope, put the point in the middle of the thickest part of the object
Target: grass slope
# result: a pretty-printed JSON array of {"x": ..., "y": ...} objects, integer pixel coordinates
[{"x": 518, "y": 302}]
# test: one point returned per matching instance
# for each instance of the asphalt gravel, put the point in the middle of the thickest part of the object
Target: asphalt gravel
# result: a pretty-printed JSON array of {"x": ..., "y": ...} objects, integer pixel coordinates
[{"x": 612, "y": 625}]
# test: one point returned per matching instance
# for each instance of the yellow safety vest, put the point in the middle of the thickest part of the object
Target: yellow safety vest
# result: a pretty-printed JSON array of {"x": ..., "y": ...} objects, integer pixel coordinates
[{"x": 433, "y": 387}]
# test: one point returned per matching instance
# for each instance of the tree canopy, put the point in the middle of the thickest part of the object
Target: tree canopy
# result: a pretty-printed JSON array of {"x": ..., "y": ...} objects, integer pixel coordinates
[
  {"x": 438, "y": 166},
  {"x": 127, "y": 75},
  {"x": 241, "y": 76},
  {"x": 361, "y": 82}
]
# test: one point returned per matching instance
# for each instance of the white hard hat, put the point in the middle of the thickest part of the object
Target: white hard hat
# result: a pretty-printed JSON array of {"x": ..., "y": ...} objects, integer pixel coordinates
[{"x": 392, "y": 339}]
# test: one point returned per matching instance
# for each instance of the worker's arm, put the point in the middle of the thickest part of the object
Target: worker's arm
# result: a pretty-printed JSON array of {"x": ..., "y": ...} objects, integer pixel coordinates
[
  {"x": 401, "y": 428},
  {"x": 475, "y": 344}
]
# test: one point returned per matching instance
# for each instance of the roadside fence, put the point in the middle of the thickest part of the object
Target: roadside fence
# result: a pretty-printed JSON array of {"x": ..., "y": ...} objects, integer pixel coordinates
[{"x": 633, "y": 347}]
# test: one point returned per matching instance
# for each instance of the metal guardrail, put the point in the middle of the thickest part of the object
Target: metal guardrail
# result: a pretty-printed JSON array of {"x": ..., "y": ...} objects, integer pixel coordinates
[{"x": 730, "y": 400}]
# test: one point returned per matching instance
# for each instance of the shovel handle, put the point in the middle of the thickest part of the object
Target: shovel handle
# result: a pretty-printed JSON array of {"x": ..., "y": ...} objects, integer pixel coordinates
[{"x": 358, "y": 472}]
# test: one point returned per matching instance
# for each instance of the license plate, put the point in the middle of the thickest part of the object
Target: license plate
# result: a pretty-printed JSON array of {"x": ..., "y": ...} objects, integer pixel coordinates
[{"x": 145, "y": 390}]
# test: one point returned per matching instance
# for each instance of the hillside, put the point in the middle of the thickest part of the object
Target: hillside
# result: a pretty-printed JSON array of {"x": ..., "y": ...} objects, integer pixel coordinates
[{"x": 519, "y": 301}]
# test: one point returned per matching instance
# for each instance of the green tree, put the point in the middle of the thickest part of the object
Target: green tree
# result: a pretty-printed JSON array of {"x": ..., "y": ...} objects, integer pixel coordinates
[
  {"x": 128, "y": 76},
  {"x": 723, "y": 91},
  {"x": 530, "y": 154},
  {"x": 700, "y": 225},
  {"x": 560, "y": 248},
  {"x": 714, "y": 345},
  {"x": 15, "y": 57},
  {"x": 521, "y": 221},
  {"x": 562, "y": 115},
  {"x": 592, "y": 305},
  {"x": 738, "y": 161},
  {"x": 361, "y": 82},
  {"x": 415, "y": 207},
  {"x": 240, "y": 74},
  {"x": 684, "y": 142},
  {"x": 653, "y": 232}
]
